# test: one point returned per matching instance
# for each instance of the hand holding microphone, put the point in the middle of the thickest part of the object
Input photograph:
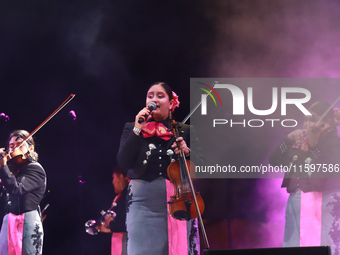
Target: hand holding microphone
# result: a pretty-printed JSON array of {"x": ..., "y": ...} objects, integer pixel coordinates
[
  {"x": 151, "y": 106},
  {"x": 142, "y": 116}
]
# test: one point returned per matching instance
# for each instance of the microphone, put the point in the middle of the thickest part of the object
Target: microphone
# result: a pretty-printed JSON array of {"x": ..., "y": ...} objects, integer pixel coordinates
[{"x": 151, "y": 106}]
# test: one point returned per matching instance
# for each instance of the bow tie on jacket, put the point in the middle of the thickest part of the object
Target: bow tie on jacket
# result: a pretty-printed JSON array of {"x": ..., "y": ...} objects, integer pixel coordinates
[{"x": 154, "y": 128}]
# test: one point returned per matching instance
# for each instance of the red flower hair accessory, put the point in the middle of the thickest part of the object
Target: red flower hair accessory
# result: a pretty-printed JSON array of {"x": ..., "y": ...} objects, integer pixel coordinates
[{"x": 176, "y": 102}]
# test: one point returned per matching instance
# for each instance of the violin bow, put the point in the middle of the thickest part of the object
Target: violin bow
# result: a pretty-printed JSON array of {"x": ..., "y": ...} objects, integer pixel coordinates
[
  {"x": 197, "y": 105},
  {"x": 191, "y": 185},
  {"x": 205, "y": 237},
  {"x": 328, "y": 109},
  {"x": 70, "y": 97}
]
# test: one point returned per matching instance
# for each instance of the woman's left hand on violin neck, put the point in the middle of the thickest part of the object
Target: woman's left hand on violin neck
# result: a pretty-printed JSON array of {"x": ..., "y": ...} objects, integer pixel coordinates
[
  {"x": 182, "y": 146},
  {"x": 3, "y": 154},
  {"x": 315, "y": 132}
]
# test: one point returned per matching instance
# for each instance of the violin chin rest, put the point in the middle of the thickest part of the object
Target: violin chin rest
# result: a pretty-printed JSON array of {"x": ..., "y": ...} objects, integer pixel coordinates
[{"x": 182, "y": 215}]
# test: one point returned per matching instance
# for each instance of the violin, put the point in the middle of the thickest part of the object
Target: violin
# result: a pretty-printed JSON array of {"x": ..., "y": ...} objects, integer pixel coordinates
[
  {"x": 16, "y": 159},
  {"x": 181, "y": 204},
  {"x": 186, "y": 203},
  {"x": 321, "y": 126}
]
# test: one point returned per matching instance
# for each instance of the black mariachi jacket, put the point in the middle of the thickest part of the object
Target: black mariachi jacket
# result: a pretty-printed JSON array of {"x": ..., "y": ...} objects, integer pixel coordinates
[
  {"x": 325, "y": 159},
  {"x": 26, "y": 189},
  {"x": 132, "y": 150}
]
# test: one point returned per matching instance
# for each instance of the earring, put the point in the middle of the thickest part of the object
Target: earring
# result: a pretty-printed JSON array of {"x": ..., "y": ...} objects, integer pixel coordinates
[{"x": 170, "y": 114}]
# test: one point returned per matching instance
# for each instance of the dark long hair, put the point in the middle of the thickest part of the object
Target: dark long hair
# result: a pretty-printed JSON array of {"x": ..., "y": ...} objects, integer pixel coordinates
[{"x": 120, "y": 170}]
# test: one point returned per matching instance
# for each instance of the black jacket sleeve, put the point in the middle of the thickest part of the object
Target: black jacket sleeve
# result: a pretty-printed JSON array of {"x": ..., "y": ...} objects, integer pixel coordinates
[
  {"x": 26, "y": 189},
  {"x": 30, "y": 178},
  {"x": 129, "y": 147}
]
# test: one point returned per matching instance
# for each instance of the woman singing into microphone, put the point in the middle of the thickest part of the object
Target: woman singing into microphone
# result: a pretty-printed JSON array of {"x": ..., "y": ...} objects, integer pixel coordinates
[{"x": 146, "y": 149}]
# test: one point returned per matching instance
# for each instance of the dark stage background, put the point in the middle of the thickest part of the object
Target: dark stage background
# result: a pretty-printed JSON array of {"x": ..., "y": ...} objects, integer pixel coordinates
[{"x": 108, "y": 53}]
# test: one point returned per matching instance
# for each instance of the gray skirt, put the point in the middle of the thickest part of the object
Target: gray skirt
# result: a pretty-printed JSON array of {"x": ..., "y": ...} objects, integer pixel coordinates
[{"x": 150, "y": 229}]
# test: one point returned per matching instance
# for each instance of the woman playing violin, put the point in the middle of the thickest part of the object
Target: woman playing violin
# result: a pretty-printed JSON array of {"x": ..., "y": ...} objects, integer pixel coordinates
[
  {"x": 146, "y": 149},
  {"x": 304, "y": 151},
  {"x": 25, "y": 182}
]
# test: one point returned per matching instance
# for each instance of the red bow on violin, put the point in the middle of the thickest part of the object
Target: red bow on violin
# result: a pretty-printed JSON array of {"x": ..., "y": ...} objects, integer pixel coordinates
[{"x": 154, "y": 128}]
